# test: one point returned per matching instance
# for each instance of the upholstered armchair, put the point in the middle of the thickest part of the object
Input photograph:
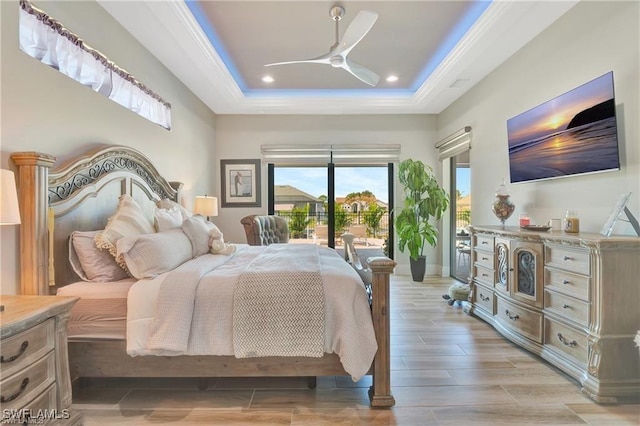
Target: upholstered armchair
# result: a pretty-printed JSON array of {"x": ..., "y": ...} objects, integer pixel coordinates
[{"x": 265, "y": 230}]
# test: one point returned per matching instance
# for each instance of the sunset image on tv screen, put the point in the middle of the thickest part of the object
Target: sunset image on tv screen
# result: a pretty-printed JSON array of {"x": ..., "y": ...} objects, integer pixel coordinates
[{"x": 571, "y": 134}]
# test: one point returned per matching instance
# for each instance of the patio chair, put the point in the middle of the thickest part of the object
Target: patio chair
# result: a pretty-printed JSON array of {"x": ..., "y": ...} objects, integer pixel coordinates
[
  {"x": 321, "y": 235},
  {"x": 359, "y": 232}
]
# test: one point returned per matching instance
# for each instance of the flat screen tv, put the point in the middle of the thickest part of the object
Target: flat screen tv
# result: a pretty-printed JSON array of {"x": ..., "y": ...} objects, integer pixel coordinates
[{"x": 574, "y": 133}]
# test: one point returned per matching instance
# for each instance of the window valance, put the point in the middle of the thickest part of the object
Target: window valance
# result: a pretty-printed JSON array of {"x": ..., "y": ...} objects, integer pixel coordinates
[{"x": 48, "y": 41}]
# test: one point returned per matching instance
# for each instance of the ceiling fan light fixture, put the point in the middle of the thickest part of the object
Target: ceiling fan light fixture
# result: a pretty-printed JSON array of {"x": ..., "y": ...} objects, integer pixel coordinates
[
  {"x": 391, "y": 78},
  {"x": 267, "y": 79},
  {"x": 339, "y": 51},
  {"x": 336, "y": 61}
]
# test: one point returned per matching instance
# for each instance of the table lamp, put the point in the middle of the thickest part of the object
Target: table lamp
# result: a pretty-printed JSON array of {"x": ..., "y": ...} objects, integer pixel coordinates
[
  {"x": 206, "y": 206},
  {"x": 9, "y": 210}
]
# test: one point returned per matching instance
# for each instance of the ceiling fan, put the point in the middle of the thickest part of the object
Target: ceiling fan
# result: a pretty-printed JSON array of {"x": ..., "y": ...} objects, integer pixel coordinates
[{"x": 337, "y": 56}]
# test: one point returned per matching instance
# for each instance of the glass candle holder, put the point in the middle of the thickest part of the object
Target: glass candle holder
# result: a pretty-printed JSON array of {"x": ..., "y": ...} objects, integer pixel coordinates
[{"x": 502, "y": 207}]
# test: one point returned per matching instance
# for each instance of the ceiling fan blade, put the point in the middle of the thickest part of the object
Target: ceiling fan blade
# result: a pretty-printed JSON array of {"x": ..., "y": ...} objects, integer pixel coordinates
[
  {"x": 360, "y": 72},
  {"x": 324, "y": 59},
  {"x": 356, "y": 31}
]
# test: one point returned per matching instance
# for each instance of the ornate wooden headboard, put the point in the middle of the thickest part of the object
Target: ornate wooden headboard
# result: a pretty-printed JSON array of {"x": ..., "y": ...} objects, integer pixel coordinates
[{"x": 79, "y": 195}]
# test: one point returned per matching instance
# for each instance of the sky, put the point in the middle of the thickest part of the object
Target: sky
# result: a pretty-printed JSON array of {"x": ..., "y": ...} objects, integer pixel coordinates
[
  {"x": 555, "y": 115},
  {"x": 313, "y": 180}
]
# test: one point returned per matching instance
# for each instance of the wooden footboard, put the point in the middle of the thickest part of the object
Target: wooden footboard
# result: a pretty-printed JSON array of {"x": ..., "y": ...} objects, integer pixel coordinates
[{"x": 64, "y": 193}]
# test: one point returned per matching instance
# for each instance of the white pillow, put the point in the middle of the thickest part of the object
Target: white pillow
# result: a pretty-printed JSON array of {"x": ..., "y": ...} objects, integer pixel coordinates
[
  {"x": 91, "y": 263},
  {"x": 129, "y": 220},
  {"x": 149, "y": 255},
  {"x": 166, "y": 219},
  {"x": 197, "y": 229},
  {"x": 170, "y": 204}
]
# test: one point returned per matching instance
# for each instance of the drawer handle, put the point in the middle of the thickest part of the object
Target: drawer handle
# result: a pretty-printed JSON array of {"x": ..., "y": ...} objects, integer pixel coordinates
[
  {"x": 485, "y": 275},
  {"x": 485, "y": 258},
  {"x": 23, "y": 386},
  {"x": 565, "y": 282},
  {"x": 483, "y": 298},
  {"x": 23, "y": 348},
  {"x": 565, "y": 306},
  {"x": 484, "y": 242},
  {"x": 566, "y": 342},
  {"x": 567, "y": 258},
  {"x": 513, "y": 318}
]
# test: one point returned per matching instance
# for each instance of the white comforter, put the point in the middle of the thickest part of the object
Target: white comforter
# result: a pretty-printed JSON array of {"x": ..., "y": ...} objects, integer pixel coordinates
[{"x": 348, "y": 326}]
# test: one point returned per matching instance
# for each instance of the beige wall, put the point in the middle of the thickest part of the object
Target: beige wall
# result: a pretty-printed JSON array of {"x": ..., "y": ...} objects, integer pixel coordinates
[
  {"x": 242, "y": 136},
  {"x": 45, "y": 111},
  {"x": 590, "y": 40}
]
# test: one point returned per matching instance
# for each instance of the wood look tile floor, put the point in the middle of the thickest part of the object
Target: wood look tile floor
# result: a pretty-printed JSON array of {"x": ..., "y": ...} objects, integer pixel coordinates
[{"x": 447, "y": 368}]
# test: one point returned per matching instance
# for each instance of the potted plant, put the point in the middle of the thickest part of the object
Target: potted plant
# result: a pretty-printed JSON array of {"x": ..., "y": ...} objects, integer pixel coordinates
[{"x": 424, "y": 200}]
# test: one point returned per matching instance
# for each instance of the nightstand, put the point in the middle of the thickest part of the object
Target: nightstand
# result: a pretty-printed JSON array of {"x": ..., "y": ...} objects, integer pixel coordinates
[{"x": 34, "y": 368}]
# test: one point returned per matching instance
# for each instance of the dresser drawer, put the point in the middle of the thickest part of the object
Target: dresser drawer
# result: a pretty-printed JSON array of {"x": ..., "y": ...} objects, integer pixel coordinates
[
  {"x": 484, "y": 275},
  {"x": 567, "y": 307},
  {"x": 26, "y": 385},
  {"x": 524, "y": 321},
  {"x": 484, "y": 242},
  {"x": 484, "y": 298},
  {"x": 45, "y": 401},
  {"x": 567, "y": 283},
  {"x": 484, "y": 259},
  {"x": 22, "y": 349},
  {"x": 568, "y": 259},
  {"x": 567, "y": 340}
]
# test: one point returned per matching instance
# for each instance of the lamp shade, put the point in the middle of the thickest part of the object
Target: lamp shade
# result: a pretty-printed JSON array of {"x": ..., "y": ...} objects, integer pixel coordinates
[
  {"x": 206, "y": 206},
  {"x": 9, "y": 210}
]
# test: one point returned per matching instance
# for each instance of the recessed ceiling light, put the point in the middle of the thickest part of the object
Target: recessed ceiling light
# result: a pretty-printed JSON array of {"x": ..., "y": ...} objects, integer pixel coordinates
[
  {"x": 392, "y": 78},
  {"x": 267, "y": 79}
]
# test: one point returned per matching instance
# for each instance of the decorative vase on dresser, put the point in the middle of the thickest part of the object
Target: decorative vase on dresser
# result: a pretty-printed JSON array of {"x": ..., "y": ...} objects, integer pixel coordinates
[
  {"x": 570, "y": 298},
  {"x": 34, "y": 369}
]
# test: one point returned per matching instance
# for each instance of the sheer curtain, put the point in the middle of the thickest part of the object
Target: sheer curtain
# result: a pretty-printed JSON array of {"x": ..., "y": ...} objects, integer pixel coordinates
[{"x": 46, "y": 40}]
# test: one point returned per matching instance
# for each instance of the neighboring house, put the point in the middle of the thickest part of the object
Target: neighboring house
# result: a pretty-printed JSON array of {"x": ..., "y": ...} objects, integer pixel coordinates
[
  {"x": 287, "y": 197},
  {"x": 358, "y": 205}
]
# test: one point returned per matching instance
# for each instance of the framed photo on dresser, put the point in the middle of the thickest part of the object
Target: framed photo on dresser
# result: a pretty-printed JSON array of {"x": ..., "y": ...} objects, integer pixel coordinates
[{"x": 240, "y": 183}]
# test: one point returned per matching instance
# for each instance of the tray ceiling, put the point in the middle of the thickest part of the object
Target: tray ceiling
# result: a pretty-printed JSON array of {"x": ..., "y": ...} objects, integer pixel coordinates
[{"x": 437, "y": 50}]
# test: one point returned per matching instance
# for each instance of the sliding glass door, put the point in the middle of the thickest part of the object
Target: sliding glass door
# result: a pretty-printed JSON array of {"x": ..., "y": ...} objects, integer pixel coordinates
[
  {"x": 461, "y": 216},
  {"x": 323, "y": 202}
]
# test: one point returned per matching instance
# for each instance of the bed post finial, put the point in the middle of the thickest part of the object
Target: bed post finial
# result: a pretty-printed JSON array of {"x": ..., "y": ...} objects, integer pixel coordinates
[{"x": 33, "y": 186}]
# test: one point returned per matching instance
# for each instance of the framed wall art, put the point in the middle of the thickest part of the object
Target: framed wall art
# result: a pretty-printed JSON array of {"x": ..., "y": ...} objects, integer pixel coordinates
[{"x": 240, "y": 181}]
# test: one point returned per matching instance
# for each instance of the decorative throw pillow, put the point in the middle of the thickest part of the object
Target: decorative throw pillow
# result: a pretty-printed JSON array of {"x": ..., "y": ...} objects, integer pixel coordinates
[
  {"x": 170, "y": 204},
  {"x": 91, "y": 263},
  {"x": 128, "y": 221},
  {"x": 149, "y": 255},
  {"x": 197, "y": 229},
  {"x": 166, "y": 219}
]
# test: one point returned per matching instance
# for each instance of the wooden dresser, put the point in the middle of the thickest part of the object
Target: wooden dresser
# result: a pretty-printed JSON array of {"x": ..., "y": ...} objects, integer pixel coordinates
[
  {"x": 573, "y": 299},
  {"x": 34, "y": 372}
]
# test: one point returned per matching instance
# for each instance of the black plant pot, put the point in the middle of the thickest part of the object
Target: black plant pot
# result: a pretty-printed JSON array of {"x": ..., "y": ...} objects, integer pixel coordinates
[{"x": 418, "y": 267}]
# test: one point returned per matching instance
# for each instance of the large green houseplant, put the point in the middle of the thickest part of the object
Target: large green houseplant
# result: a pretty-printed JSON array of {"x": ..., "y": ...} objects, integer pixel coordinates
[{"x": 424, "y": 200}]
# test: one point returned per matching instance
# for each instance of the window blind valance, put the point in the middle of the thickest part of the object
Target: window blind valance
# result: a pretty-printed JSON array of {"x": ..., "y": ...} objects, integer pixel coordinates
[
  {"x": 454, "y": 144},
  {"x": 352, "y": 154}
]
